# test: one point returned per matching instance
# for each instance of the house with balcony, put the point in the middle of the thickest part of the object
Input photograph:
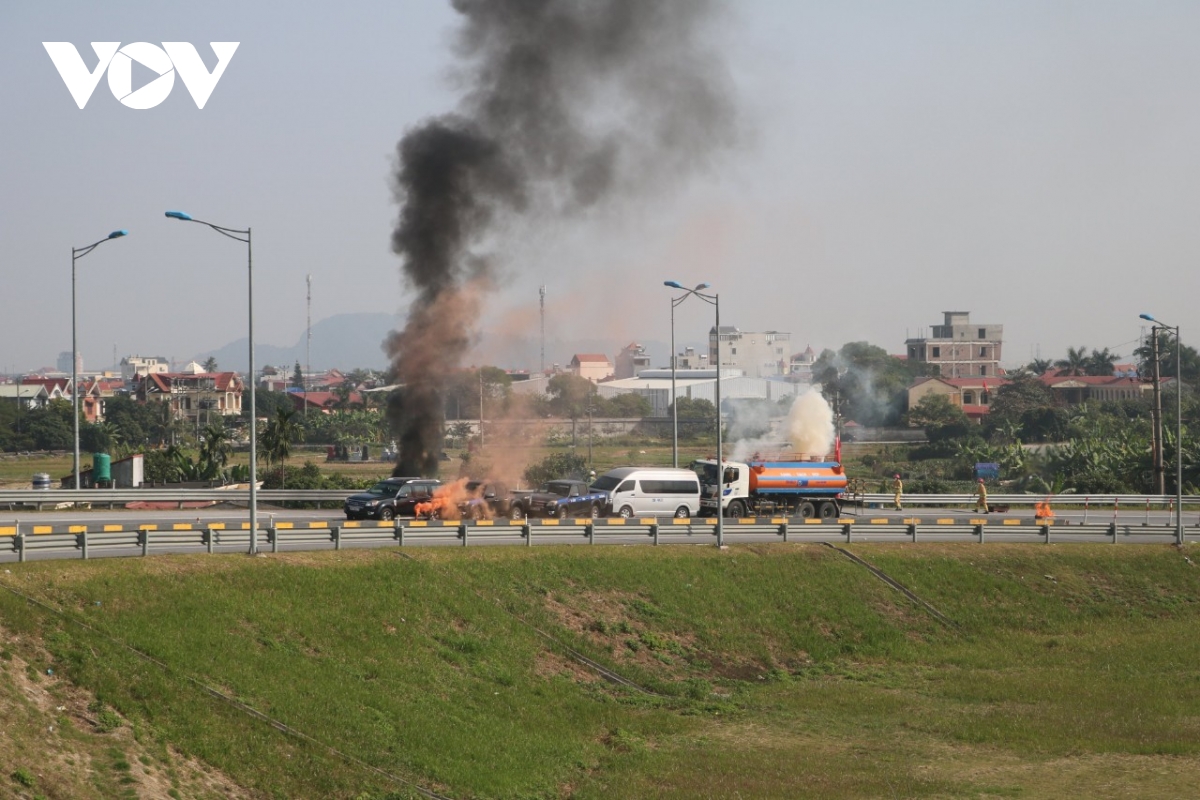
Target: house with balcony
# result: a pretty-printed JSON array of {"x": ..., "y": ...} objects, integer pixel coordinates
[{"x": 197, "y": 398}]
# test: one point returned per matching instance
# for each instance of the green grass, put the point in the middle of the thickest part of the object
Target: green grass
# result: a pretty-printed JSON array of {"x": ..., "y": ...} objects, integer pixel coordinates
[{"x": 776, "y": 671}]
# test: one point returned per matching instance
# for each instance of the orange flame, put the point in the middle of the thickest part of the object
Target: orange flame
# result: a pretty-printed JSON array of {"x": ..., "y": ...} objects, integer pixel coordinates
[
  {"x": 1042, "y": 509},
  {"x": 445, "y": 502}
]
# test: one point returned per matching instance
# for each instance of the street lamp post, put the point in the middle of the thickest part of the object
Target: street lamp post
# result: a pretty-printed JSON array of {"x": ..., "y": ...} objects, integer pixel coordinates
[
  {"x": 76, "y": 254},
  {"x": 243, "y": 236},
  {"x": 1178, "y": 425},
  {"x": 713, "y": 300}
]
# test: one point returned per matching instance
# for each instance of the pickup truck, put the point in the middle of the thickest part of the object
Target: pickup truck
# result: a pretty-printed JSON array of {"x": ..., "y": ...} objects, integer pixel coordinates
[{"x": 561, "y": 499}]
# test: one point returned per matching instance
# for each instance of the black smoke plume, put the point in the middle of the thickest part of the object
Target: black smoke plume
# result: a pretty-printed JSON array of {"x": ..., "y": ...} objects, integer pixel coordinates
[{"x": 566, "y": 104}]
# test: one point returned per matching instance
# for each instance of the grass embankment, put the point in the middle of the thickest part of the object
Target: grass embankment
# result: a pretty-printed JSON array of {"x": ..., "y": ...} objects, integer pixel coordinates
[{"x": 780, "y": 671}]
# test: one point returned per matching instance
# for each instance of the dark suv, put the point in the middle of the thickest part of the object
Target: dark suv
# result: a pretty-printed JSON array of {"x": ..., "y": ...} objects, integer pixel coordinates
[
  {"x": 562, "y": 499},
  {"x": 384, "y": 499}
]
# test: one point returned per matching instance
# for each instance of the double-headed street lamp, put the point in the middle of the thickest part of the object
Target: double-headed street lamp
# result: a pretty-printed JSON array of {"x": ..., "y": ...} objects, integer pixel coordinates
[
  {"x": 1178, "y": 424},
  {"x": 76, "y": 254},
  {"x": 713, "y": 300},
  {"x": 243, "y": 236}
]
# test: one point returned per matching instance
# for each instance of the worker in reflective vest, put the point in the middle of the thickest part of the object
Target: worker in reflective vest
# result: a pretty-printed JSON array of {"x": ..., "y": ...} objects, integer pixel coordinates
[
  {"x": 981, "y": 503},
  {"x": 897, "y": 490}
]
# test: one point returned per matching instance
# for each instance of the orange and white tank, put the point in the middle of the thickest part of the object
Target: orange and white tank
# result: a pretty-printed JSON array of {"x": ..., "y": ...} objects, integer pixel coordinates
[{"x": 797, "y": 477}]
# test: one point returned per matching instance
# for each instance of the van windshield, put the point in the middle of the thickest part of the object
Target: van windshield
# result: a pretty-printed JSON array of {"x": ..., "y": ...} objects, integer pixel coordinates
[{"x": 605, "y": 483}]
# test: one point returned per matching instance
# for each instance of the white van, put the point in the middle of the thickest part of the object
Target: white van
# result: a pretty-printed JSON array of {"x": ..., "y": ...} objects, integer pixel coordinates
[{"x": 633, "y": 491}]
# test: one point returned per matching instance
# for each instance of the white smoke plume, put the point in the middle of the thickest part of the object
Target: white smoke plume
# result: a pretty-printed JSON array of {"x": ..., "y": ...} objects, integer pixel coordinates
[
  {"x": 809, "y": 430},
  {"x": 810, "y": 425}
]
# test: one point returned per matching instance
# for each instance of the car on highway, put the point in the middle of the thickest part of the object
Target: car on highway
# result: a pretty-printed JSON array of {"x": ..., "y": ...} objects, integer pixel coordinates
[
  {"x": 560, "y": 498},
  {"x": 486, "y": 499},
  {"x": 390, "y": 498}
]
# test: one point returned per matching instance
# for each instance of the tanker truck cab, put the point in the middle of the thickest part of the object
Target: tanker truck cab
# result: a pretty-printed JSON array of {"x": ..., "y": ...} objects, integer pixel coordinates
[
  {"x": 809, "y": 489},
  {"x": 735, "y": 484}
]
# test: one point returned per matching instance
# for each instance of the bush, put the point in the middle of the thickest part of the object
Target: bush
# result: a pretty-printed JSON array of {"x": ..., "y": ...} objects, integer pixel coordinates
[{"x": 559, "y": 465}]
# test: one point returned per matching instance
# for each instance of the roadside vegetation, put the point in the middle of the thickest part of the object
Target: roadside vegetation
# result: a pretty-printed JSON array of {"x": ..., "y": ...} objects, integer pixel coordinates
[{"x": 769, "y": 671}]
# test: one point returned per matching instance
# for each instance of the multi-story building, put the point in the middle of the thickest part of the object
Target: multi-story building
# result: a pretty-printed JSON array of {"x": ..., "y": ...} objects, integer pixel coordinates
[
  {"x": 133, "y": 367},
  {"x": 761, "y": 354},
  {"x": 64, "y": 362},
  {"x": 960, "y": 348},
  {"x": 632, "y": 360}
]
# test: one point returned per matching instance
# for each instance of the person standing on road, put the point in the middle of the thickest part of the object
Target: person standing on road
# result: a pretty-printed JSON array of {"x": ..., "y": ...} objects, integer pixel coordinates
[
  {"x": 897, "y": 491},
  {"x": 981, "y": 503}
]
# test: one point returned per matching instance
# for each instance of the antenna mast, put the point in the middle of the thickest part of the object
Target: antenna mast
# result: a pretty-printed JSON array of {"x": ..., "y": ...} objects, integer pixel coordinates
[{"x": 542, "y": 298}]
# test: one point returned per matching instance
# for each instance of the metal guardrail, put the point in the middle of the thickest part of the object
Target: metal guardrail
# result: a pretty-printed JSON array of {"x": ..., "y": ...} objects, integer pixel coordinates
[
  {"x": 1098, "y": 501},
  {"x": 39, "y": 498},
  {"x": 23, "y": 541},
  {"x": 11, "y": 498}
]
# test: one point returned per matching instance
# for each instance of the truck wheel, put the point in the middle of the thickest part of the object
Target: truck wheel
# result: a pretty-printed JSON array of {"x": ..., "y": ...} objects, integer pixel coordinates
[
  {"x": 626, "y": 512},
  {"x": 516, "y": 512},
  {"x": 596, "y": 511},
  {"x": 806, "y": 510},
  {"x": 682, "y": 512},
  {"x": 386, "y": 513},
  {"x": 828, "y": 510},
  {"x": 562, "y": 512},
  {"x": 736, "y": 509}
]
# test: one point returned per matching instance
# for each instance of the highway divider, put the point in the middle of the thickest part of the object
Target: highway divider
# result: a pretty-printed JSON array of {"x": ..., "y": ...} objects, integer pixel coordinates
[{"x": 20, "y": 541}]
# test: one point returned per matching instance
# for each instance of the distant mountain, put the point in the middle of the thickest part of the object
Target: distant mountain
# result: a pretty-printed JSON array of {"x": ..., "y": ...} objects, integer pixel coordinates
[{"x": 344, "y": 341}]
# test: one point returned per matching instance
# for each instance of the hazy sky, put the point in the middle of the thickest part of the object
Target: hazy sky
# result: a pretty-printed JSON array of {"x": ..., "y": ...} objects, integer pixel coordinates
[{"x": 1034, "y": 163}]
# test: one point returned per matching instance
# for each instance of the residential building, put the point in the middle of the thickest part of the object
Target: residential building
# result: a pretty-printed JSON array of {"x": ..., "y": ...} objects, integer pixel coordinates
[
  {"x": 134, "y": 367},
  {"x": 689, "y": 359},
  {"x": 802, "y": 365},
  {"x": 1075, "y": 389},
  {"x": 28, "y": 396},
  {"x": 593, "y": 366},
  {"x": 631, "y": 361},
  {"x": 972, "y": 395},
  {"x": 325, "y": 402},
  {"x": 196, "y": 398},
  {"x": 760, "y": 354},
  {"x": 56, "y": 388},
  {"x": 960, "y": 348}
]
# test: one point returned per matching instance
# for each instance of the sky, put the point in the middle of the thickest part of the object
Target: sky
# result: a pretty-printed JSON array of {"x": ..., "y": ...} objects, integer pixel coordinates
[{"x": 1033, "y": 163}]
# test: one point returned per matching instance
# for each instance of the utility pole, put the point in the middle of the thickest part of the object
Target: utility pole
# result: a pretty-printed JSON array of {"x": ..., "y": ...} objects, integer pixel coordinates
[
  {"x": 308, "y": 345},
  {"x": 1160, "y": 485},
  {"x": 542, "y": 298}
]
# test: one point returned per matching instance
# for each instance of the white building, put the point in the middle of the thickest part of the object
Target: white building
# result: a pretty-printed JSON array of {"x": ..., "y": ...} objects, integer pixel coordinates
[
  {"x": 760, "y": 354},
  {"x": 696, "y": 384},
  {"x": 133, "y": 367}
]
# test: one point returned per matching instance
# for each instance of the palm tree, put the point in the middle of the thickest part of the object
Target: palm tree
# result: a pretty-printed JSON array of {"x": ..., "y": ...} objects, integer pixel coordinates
[
  {"x": 215, "y": 446},
  {"x": 276, "y": 437},
  {"x": 1039, "y": 366},
  {"x": 210, "y": 364},
  {"x": 1075, "y": 363},
  {"x": 1101, "y": 362}
]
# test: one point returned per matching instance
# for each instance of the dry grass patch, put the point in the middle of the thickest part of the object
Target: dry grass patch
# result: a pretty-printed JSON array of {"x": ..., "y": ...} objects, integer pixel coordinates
[{"x": 68, "y": 744}]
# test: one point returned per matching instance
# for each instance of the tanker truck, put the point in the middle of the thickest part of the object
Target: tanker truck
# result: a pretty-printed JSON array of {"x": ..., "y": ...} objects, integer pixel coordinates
[{"x": 811, "y": 489}]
